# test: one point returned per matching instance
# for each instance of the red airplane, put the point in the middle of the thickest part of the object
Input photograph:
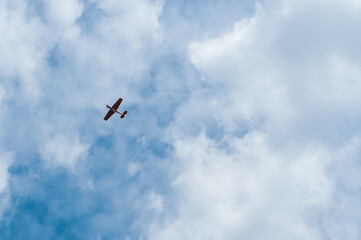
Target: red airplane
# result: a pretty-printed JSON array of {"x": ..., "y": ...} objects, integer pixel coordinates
[{"x": 114, "y": 109}]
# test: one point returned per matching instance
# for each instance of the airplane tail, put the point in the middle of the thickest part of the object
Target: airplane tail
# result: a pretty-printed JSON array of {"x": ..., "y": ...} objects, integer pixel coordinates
[{"x": 124, "y": 114}]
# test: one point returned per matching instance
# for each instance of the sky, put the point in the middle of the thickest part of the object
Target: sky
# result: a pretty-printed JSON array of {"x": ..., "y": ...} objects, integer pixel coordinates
[{"x": 243, "y": 119}]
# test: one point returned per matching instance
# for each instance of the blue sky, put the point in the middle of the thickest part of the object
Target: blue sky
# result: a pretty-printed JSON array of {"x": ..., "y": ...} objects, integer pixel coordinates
[{"x": 243, "y": 119}]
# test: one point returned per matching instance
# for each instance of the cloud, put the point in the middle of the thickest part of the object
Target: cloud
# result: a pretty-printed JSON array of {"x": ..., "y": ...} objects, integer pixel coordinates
[
  {"x": 57, "y": 73},
  {"x": 64, "y": 14},
  {"x": 133, "y": 169},
  {"x": 229, "y": 192},
  {"x": 6, "y": 160},
  {"x": 22, "y": 48},
  {"x": 156, "y": 202},
  {"x": 243, "y": 121},
  {"x": 64, "y": 151},
  {"x": 259, "y": 149}
]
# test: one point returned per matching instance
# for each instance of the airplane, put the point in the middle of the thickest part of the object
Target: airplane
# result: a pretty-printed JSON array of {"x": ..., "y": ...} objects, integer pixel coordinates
[{"x": 114, "y": 109}]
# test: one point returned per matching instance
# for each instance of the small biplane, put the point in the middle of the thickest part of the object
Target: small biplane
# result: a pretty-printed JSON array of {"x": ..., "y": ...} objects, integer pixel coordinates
[{"x": 114, "y": 109}]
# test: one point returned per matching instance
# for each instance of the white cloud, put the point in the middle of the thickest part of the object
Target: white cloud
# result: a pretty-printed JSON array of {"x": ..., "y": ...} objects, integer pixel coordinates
[
  {"x": 282, "y": 88},
  {"x": 64, "y": 13},
  {"x": 133, "y": 168},
  {"x": 22, "y": 47},
  {"x": 108, "y": 60},
  {"x": 64, "y": 151},
  {"x": 137, "y": 19},
  {"x": 2, "y": 96},
  {"x": 229, "y": 192},
  {"x": 6, "y": 160},
  {"x": 156, "y": 202}
]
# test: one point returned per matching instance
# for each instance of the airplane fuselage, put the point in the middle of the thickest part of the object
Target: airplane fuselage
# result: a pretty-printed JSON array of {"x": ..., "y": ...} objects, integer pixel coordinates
[{"x": 114, "y": 110}]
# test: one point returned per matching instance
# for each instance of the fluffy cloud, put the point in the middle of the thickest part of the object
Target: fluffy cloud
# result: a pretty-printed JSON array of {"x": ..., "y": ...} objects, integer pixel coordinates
[
  {"x": 22, "y": 48},
  {"x": 229, "y": 192},
  {"x": 260, "y": 148},
  {"x": 6, "y": 160},
  {"x": 241, "y": 188},
  {"x": 64, "y": 151},
  {"x": 65, "y": 13},
  {"x": 156, "y": 201}
]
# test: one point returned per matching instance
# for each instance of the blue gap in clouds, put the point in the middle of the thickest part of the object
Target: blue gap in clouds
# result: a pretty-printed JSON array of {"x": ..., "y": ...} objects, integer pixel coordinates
[
  {"x": 50, "y": 209},
  {"x": 192, "y": 19},
  {"x": 91, "y": 15},
  {"x": 34, "y": 8},
  {"x": 53, "y": 57},
  {"x": 166, "y": 87},
  {"x": 122, "y": 194}
]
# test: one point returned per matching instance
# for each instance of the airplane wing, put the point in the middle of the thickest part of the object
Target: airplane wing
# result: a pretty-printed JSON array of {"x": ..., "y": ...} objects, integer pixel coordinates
[
  {"x": 116, "y": 105},
  {"x": 109, "y": 114}
]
